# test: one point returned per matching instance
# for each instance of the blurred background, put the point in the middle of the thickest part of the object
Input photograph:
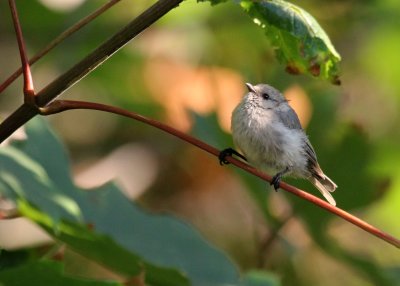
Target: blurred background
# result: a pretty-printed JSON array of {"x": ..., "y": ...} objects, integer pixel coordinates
[{"x": 188, "y": 70}]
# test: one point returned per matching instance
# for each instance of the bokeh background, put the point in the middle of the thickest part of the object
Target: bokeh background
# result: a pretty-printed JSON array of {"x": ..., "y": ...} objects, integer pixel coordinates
[{"x": 189, "y": 70}]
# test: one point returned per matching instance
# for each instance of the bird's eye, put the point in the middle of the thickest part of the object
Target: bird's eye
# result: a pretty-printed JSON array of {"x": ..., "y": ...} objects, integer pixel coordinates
[{"x": 265, "y": 95}]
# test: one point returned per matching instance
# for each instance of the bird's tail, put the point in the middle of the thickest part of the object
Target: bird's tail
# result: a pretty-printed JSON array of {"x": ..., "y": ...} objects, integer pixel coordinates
[{"x": 325, "y": 186}]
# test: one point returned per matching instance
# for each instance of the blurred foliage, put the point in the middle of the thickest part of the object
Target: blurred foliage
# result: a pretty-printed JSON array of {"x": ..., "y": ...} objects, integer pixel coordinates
[{"x": 188, "y": 70}]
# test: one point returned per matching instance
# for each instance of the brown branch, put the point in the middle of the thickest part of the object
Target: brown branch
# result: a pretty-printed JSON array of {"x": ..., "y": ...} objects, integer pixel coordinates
[
  {"x": 25, "y": 112},
  {"x": 81, "y": 23},
  {"x": 63, "y": 105}
]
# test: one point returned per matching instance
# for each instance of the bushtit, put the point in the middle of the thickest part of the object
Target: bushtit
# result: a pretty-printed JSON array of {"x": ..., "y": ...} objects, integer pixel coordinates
[{"x": 268, "y": 132}]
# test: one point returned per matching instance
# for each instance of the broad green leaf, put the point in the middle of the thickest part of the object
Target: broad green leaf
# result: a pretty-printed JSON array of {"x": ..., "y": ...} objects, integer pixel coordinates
[
  {"x": 89, "y": 243},
  {"x": 44, "y": 273},
  {"x": 19, "y": 179},
  {"x": 167, "y": 249},
  {"x": 300, "y": 42},
  {"x": 85, "y": 241},
  {"x": 20, "y": 176}
]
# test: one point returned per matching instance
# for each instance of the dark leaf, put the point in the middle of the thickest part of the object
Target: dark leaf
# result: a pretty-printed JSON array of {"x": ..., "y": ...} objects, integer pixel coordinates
[{"x": 45, "y": 273}]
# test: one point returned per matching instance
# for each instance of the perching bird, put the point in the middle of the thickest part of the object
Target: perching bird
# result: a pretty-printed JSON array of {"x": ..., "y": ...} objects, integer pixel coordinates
[{"x": 268, "y": 132}]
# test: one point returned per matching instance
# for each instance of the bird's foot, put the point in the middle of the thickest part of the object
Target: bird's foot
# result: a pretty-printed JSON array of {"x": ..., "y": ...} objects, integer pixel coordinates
[
  {"x": 276, "y": 181},
  {"x": 228, "y": 152}
]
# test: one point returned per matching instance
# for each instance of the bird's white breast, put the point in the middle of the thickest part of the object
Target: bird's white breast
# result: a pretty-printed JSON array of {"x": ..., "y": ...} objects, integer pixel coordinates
[{"x": 266, "y": 142}]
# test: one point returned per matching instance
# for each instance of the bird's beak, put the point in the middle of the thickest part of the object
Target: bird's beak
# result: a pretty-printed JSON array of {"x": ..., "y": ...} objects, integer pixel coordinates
[{"x": 250, "y": 87}]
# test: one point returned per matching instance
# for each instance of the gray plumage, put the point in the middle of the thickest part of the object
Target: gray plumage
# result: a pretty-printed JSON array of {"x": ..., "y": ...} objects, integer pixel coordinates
[{"x": 268, "y": 132}]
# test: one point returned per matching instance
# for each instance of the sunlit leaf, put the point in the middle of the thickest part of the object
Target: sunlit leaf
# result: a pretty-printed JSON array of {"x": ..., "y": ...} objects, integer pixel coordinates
[
  {"x": 21, "y": 177},
  {"x": 86, "y": 241},
  {"x": 101, "y": 248},
  {"x": 300, "y": 42}
]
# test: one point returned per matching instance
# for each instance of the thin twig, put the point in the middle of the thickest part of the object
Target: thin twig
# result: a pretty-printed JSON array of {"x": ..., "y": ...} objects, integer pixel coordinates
[
  {"x": 29, "y": 91},
  {"x": 9, "y": 214},
  {"x": 77, "y": 26},
  {"x": 268, "y": 240},
  {"x": 25, "y": 112},
  {"x": 63, "y": 105}
]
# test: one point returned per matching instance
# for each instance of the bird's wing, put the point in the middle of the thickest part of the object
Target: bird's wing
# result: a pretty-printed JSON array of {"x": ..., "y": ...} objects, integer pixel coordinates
[
  {"x": 289, "y": 118},
  {"x": 311, "y": 156},
  {"x": 312, "y": 162}
]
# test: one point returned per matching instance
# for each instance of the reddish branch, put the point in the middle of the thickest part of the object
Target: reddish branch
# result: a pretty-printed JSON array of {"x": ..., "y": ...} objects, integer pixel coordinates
[
  {"x": 63, "y": 105},
  {"x": 81, "y": 23},
  {"x": 29, "y": 92}
]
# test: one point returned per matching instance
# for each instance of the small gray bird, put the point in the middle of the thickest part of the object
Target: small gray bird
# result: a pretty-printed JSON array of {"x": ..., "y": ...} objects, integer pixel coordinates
[{"x": 268, "y": 132}]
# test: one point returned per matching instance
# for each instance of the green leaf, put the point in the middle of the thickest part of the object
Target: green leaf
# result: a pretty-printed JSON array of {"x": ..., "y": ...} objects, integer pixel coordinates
[
  {"x": 121, "y": 237},
  {"x": 300, "y": 42},
  {"x": 21, "y": 177},
  {"x": 87, "y": 242},
  {"x": 44, "y": 273},
  {"x": 13, "y": 258}
]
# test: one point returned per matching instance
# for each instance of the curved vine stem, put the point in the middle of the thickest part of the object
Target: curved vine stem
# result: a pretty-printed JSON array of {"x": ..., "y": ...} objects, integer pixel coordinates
[{"x": 63, "y": 105}]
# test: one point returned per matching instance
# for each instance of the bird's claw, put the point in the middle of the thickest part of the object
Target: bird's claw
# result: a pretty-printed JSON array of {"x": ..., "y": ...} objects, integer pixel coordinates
[
  {"x": 228, "y": 152},
  {"x": 276, "y": 181},
  {"x": 222, "y": 156}
]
